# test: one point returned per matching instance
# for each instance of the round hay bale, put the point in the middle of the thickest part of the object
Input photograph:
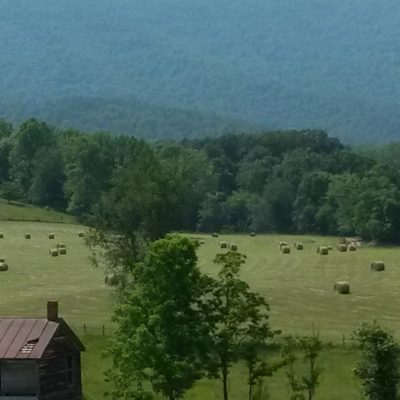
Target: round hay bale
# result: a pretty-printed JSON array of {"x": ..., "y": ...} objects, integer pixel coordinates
[
  {"x": 234, "y": 247},
  {"x": 342, "y": 247},
  {"x": 62, "y": 251},
  {"x": 223, "y": 245},
  {"x": 285, "y": 249},
  {"x": 377, "y": 266},
  {"x": 202, "y": 242},
  {"x": 299, "y": 246},
  {"x": 252, "y": 234},
  {"x": 342, "y": 287},
  {"x": 61, "y": 246},
  {"x": 352, "y": 247},
  {"x": 329, "y": 248},
  {"x": 282, "y": 244},
  {"x": 323, "y": 250},
  {"x": 27, "y": 235},
  {"x": 3, "y": 266},
  {"x": 1, "y": 235},
  {"x": 51, "y": 235},
  {"x": 215, "y": 235},
  {"x": 111, "y": 280},
  {"x": 53, "y": 252},
  {"x": 2, "y": 259},
  {"x": 81, "y": 234}
]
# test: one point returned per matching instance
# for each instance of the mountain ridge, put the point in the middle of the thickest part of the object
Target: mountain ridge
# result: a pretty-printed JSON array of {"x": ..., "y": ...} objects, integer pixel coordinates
[{"x": 276, "y": 64}]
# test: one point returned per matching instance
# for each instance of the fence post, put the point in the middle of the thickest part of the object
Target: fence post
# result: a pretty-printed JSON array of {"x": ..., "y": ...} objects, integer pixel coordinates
[
  {"x": 84, "y": 328},
  {"x": 344, "y": 340},
  {"x": 104, "y": 330}
]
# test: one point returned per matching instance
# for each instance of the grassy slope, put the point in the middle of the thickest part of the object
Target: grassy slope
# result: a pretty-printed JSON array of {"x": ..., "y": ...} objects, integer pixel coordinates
[
  {"x": 22, "y": 212},
  {"x": 298, "y": 287}
]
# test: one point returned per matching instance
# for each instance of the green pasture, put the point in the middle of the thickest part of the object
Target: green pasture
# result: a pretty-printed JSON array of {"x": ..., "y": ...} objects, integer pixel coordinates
[
  {"x": 24, "y": 212},
  {"x": 298, "y": 287},
  {"x": 34, "y": 277}
]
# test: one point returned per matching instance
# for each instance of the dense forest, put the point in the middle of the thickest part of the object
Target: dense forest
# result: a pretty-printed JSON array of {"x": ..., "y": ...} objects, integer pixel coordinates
[
  {"x": 180, "y": 68},
  {"x": 286, "y": 181}
]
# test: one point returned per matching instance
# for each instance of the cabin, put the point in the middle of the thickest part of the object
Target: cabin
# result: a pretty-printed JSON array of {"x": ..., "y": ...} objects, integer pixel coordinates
[{"x": 40, "y": 358}]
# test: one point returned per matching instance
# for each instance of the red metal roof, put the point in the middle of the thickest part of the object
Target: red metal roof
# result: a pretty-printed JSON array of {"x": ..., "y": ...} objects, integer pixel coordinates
[{"x": 25, "y": 338}]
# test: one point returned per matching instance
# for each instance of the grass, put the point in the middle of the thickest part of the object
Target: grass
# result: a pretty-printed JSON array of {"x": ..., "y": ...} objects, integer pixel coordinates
[
  {"x": 22, "y": 212},
  {"x": 34, "y": 277},
  {"x": 337, "y": 381},
  {"x": 298, "y": 287}
]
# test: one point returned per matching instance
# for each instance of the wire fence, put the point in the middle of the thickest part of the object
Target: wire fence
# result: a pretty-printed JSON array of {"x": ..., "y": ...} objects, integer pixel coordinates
[{"x": 98, "y": 330}]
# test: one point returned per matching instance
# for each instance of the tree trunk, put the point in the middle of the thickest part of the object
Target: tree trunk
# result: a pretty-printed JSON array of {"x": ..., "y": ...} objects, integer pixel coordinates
[{"x": 225, "y": 382}]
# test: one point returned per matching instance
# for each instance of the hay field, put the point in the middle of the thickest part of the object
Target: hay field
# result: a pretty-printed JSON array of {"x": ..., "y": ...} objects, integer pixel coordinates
[
  {"x": 34, "y": 277},
  {"x": 299, "y": 285}
]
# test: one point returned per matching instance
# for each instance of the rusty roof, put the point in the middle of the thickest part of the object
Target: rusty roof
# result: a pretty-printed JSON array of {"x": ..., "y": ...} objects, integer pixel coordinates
[{"x": 25, "y": 338}]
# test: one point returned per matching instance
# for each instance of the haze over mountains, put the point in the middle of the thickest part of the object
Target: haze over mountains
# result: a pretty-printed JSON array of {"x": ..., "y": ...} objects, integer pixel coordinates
[{"x": 176, "y": 68}]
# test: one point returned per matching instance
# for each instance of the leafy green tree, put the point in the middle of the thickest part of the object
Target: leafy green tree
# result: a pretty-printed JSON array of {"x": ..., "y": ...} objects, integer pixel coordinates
[
  {"x": 10, "y": 191},
  {"x": 6, "y": 145},
  {"x": 258, "y": 367},
  {"x": 311, "y": 194},
  {"x": 274, "y": 210},
  {"x": 31, "y": 137},
  {"x": 89, "y": 168},
  {"x": 137, "y": 209},
  {"x": 303, "y": 386},
  {"x": 235, "y": 315},
  {"x": 159, "y": 334},
  {"x": 239, "y": 209},
  {"x": 213, "y": 213},
  {"x": 378, "y": 368},
  {"x": 47, "y": 187},
  {"x": 5, "y": 129},
  {"x": 191, "y": 176}
]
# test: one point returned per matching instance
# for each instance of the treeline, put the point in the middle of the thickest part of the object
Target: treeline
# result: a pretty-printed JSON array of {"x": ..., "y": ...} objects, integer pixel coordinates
[{"x": 293, "y": 181}]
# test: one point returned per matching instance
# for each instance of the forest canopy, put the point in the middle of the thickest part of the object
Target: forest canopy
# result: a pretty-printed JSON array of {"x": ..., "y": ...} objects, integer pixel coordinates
[{"x": 284, "y": 181}]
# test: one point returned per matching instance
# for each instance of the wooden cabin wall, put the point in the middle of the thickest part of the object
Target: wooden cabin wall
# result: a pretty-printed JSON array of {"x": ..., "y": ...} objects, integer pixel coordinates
[{"x": 53, "y": 382}]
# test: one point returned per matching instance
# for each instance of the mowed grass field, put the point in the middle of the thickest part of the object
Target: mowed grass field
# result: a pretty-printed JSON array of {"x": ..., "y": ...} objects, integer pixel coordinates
[
  {"x": 34, "y": 277},
  {"x": 298, "y": 287}
]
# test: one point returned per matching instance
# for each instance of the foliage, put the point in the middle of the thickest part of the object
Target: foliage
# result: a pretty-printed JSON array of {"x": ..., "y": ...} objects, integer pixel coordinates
[
  {"x": 293, "y": 181},
  {"x": 237, "y": 319},
  {"x": 10, "y": 191},
  {"x": 158, "y": 339},
  {"x": 303, "y": 386},
  {"x": 378, "y": 368}
]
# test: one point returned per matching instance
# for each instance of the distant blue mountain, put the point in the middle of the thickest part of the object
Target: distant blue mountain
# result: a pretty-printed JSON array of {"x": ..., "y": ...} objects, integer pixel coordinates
[{"x": 204, "y": 67}]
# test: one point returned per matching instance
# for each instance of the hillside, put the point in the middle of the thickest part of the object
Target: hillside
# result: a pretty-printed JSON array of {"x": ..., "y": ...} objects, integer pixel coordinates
[
  {"x": 203, "y": 68},
  {"x": 25, "y": 212}
]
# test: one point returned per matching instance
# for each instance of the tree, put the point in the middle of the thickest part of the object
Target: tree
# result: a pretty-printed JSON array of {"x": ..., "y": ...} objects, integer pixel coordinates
[
  {"x": 10, "y": 191},
  {"x": 31, "y": 137},
  {"x": 213, "y": 214},
  {"x": 303, "y": 386},
  {"x": 159, "y": 335},
  {"x": 378, "y": 368},
  {"x": 47, "y": 187},
  {"x": 235, "y": 316},
  {"x": 274, "y": 210},
  {"x": 191, "y": 177}
]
